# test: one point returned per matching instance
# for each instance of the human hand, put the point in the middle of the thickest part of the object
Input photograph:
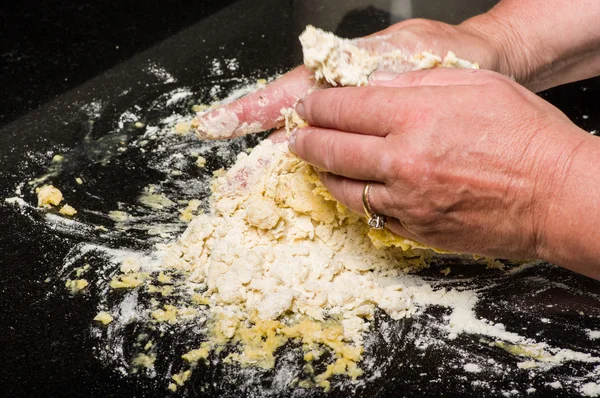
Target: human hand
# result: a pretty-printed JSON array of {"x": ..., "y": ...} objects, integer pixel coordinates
[
  {"x": 260, "y": 111},
  {"x": 463, "y": 160}
]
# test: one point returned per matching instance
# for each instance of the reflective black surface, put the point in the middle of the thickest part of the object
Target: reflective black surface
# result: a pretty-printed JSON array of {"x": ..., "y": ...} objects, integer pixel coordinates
[{"x": 58, "y": 56}]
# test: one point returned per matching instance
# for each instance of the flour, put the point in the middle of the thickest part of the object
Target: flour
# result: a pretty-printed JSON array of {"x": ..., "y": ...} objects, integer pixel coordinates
[
  {"x": 178, "y": 95},
  {"x": 472, "y": 368},
  {"x": 161, "y": 73},
  {"x": 590, "y": 389}
]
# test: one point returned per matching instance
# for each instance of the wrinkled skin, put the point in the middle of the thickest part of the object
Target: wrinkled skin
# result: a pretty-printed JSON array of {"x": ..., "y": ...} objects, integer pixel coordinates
[{"x": 474, "y": 182}]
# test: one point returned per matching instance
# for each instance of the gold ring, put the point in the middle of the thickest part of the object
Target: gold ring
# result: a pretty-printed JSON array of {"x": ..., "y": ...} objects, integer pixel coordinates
[{"x": 374, "y": 220}]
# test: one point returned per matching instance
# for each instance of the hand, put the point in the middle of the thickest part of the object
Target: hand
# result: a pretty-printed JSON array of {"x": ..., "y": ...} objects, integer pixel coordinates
[
  {"x": 260, "y": 111},
  {"x": 463, "y": 160}
]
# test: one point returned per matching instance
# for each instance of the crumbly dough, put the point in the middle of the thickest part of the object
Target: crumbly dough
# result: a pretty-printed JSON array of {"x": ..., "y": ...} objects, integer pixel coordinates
[
  {"x": 280, "y": 257},
  {"x": 201, "y": 161},
  {"x": 68, "y": 210},
  {"x": 103, "y": 317},
  {"x": 76, "y": 285},
  {"x": 49, "y": 196},
  {"x": 340, "y": 62}
]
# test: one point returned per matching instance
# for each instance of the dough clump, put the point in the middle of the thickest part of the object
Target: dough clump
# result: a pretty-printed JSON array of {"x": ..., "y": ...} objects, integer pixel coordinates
[
  {"x": 342, "y": 62},
  {"x": 49, "y": 196}
]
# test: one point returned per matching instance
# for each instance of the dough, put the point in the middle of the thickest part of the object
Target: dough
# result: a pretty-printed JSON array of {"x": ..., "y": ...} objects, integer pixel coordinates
[
  {"x": 339, "y": 62},
  {"x": 49, "y": 196}
]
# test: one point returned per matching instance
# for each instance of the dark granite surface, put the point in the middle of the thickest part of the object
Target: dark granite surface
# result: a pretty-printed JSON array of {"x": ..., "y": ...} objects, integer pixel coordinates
[
  {"x": 49, "y": 47},
  {"x": 57, "y": 55}
]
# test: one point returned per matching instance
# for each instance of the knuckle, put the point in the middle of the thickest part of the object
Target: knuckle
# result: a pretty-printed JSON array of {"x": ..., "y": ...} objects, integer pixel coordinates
[
  {"x": 328, "y": 151},
  {"x": 421, "y": 215},
  {"x": 346, "y": 193},
  {"x": 497, "y": 80},
  {"x": 420, "y": 24},
  {"x": 415, "y": 78},
  {"x": 426, "y": 216},
  {"x": 347, "y": 104},
  {"x": 405, "y": 115},
  {"x": 408, "y": 169},
  {"x": 333, "y": 108}
]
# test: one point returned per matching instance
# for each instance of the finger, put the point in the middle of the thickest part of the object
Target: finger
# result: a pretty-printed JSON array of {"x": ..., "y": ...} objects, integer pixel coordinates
[
  {"x": 362, "y": 110},
  {"x": 430, "y": 77},
  {"x": 257, "y": 111},
  {"x": 375, "y": 110},
  {"x": 361, "y": 157},
  {"x": 349, "y": 192},
  {"x": 278, "y": 136},
  {"x": 401, "y": 229}
]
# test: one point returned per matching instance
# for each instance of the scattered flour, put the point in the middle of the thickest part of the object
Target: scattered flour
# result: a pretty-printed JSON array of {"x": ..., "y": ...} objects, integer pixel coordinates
[
  {"x": 590, "y": 389},
  {"x": 161, "y": 73},
  {"x": 178, "y": 95},
  {"x": 472, "y": 368}
]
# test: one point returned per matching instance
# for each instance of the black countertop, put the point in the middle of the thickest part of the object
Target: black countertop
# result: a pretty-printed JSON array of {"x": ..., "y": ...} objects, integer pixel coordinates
[{"x": 59, "y": 56}]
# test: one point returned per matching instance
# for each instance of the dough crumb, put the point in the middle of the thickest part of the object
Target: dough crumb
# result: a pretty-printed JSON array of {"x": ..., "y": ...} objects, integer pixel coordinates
[
  {"x": 128, "y": 281},
  {"x": 76, "y": 285},
  {"x": 201, "y": 161},
  {"x": 191, "y": 209},
  {"x": 103, "y": 317},
  {"x": 143, "y": 361},
  {"x": 68, "y": 210},
  {"x": 182, "y": 128},
  {"x": 181, "y": 378},
  {"x": 49, "y": 196}
]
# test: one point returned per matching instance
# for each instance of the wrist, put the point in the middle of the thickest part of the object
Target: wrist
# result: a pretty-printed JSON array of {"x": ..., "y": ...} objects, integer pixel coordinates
[
  {"x": 501, "y": 39},
  {"x": 567, "y": 232},
  {"x": 543, "y": 43}
]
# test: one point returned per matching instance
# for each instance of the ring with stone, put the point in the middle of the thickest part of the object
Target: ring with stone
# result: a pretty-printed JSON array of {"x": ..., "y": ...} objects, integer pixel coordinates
[{"x": 374, "y": 220}]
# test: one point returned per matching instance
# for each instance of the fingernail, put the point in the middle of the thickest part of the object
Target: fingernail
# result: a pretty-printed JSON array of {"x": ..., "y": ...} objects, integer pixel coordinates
[
  {"x": 383, "y": 76},
  {"x": 300, "y": 109},
  {"x": 292, "y": 141}
]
